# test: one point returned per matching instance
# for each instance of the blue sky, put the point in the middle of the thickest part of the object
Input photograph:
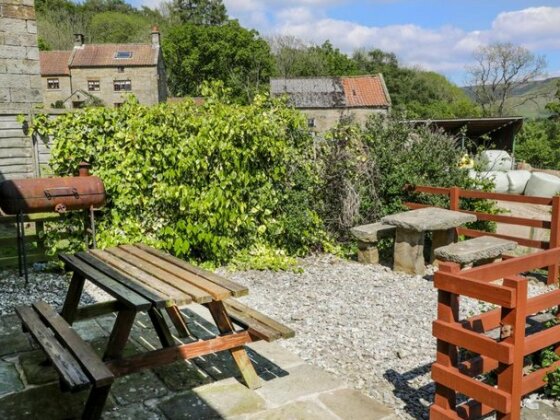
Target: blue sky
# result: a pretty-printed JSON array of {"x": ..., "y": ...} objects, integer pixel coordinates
[{"x": 436, "y": 35}]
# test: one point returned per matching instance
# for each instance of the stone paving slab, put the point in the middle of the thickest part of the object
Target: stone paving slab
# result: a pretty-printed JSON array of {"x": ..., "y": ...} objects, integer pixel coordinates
[{"x": 203, "y": 388}]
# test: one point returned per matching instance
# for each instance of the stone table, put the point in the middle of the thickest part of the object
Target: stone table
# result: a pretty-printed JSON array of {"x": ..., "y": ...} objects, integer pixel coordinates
[{"x": 412, "y": 227}]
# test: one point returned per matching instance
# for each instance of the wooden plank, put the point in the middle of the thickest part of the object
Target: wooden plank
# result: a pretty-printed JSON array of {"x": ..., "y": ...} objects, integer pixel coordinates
[
  {"x": 15, "y": 142},
  {"x": 161, "y": 357},
  {"x": 170, "y": 295},
  {"x": 16, "y": 169},
  {"x": 480, "y": 391},
  {"x": 531, "y": 243},
  {"x": 128, "y": 297},
  {"x": 98, "y": 309},
  {"x": 157, "y": 298},
  {"x": 217, "y": 292},
  {"x": 440, "y": 413},
  {"x": 492, "y": 293},
  {"x": 477, "y": 365},
  {"x": 535, "y": 380},
  {"x": 240, "y": 308},
  {"x": 198, "y": 295},
  {"x": 65, "y": 364},
  {"x": 473, "y": 410},
  {"x": 253, "y": 326},
  {"x": 511, "y": 267},
  {"x": 14, "y": 152},
  {"x": 82, "y": 351},
  {"x": 542, "y": 339},
  {"x": 14, "y": 161},
  {"x": 236, "y": 289},
  {"x": 480, "y": 344}
]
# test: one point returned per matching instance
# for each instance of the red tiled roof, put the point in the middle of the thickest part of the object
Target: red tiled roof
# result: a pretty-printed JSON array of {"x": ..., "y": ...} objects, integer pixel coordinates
[
  {"x": 103, "y": 55},
  {"x": 365, "y": 91},
  {"x": 54, "y": 63}
]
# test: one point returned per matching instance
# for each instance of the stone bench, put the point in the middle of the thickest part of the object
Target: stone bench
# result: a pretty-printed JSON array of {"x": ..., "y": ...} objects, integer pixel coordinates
[
  {"x": 368, "y": 236},
  {"x": 476, "y": 251}
]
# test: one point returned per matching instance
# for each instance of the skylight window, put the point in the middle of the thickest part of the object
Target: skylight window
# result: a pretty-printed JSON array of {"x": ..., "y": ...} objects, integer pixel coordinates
[{"x": 123, "y": 54}]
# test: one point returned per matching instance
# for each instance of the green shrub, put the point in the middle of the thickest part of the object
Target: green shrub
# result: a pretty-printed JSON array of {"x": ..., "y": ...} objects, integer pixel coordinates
[
  {"x": 539, "y": 144},
  {"x": 205, "y": 183},
  {"x": 364, "y": 171}
]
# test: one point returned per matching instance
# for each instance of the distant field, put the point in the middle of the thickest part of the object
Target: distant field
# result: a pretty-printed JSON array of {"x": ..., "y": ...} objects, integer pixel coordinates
[{"x": 521, "y": 105}]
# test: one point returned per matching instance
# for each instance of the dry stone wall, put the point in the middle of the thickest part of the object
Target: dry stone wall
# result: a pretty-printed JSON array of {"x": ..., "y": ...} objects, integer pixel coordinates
[{"x": 20, "y": 85}]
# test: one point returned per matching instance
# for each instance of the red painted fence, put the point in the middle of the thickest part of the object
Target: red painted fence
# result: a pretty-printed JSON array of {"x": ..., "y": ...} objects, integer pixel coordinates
[
  {"x": 455, "y": 194},
  {"x": 500, "y": 284}
]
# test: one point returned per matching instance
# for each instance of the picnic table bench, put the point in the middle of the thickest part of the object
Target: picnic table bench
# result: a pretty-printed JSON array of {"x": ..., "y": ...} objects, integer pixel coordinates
[{"x": 143, "y": 279}]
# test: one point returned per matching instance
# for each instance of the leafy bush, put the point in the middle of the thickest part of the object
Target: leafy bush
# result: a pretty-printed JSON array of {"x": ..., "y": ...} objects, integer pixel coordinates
[
  {"x": 203, "y": 182},
  {"x": 539, "y": 144},
  {"x": 364, "y": 171}
]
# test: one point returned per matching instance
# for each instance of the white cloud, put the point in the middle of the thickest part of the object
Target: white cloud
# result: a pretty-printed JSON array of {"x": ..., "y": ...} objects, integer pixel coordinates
[{"x": 447, "y": 49}]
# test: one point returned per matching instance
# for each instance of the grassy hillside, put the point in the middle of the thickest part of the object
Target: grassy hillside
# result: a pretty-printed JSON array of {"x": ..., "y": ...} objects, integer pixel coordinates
[{"x": 529, "y": 99}]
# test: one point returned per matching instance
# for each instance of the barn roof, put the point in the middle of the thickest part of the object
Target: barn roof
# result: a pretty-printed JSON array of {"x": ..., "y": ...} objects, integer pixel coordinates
[{"x": 333, "y": 92}]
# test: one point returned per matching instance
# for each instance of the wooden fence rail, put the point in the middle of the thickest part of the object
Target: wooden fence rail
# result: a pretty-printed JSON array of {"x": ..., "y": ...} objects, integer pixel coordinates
[
  {"x": 501, "y": 284},
  {"x": 455, "y": 195}
]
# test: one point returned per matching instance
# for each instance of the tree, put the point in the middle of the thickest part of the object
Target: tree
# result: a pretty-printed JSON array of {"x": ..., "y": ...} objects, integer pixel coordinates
[
  {"x": 554, "y": 106},
  {"x": 499, "y": 68},
  {"x": 199, "y": 12},
  {"x": 119, "y": 27},
  {"x": 230, "y": 53}
]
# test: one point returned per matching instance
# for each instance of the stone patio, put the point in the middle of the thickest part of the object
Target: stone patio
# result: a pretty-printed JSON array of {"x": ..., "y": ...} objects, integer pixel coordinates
[{"x": 204, "y": 388}]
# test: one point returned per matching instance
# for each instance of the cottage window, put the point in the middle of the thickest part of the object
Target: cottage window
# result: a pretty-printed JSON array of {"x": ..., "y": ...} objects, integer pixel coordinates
[
  {"x": 120, "y": 85},
  {"x": 53, "y": 84},
  {"x": 120, "y": 69},
  {"x": 93, "y": 85},
  {"x": 123, "y": 54},
  {"x": 311, "y": 122}
]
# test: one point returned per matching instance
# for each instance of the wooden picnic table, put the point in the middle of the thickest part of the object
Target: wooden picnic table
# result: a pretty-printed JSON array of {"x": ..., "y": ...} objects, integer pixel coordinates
[
  {"x": 143, "y": 279},
  {"x": 412, "y": 227}
]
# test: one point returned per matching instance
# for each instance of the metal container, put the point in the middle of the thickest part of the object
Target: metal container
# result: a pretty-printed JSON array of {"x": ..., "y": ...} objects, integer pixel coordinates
[{"x": 52, "y": 194}]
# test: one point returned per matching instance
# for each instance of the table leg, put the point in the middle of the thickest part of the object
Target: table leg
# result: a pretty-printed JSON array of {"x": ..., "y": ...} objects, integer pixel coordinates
[
  {"x": 72, "y": 301},
  {"x": 239, "y": 354},
  {"x": 409, "y": 251},
  {"x": 179, "y": 322},
  {"x": 95, "y": 403},
  {"x": 119, "y": 334},
  {"x": 162, "y": 330},
  {"x": 442, "y": 238}
]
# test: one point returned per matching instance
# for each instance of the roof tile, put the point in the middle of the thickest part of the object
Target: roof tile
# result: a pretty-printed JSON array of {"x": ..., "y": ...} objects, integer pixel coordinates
[
  {"x": 54, "y": 63},
  {"x": 365, "y": 91},
  {"x": 103, "y": 55}
]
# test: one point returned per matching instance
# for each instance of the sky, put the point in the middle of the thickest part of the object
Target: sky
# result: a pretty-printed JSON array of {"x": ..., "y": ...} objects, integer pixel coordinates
[{"x": 438, "y": 35}]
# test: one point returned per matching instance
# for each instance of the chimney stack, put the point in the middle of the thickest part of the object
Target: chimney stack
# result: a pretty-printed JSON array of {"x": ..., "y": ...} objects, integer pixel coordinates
[
  {"x": 78, "y": 40},
  {"x": 155, "y": 36}
]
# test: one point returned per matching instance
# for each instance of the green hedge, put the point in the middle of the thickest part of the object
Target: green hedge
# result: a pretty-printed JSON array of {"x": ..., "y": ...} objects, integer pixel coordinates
[{"x": 204, "y": 182}]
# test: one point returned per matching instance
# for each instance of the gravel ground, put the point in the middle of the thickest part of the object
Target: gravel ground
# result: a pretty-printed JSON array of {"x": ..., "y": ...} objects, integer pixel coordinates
[{"x": 364, "y": 323}]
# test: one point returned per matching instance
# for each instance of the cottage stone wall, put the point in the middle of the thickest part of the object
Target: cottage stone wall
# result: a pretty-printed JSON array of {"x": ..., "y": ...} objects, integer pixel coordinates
[
  {"x": 327, "y": 118},
  {"x": 60, "y": 94},
  {"x": 144, "y": 82},
  {"x": 20, "y": 83}
]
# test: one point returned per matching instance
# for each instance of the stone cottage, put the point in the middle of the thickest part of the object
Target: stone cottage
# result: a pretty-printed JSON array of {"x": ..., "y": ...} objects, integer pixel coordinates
[
  {"x": 325, "y": 100},
  {"x": 106, "y": 73}
]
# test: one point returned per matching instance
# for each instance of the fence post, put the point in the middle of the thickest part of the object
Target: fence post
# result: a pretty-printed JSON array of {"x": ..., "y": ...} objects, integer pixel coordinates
[
  {"x": 512, "y": 324},
  {"x": 553, "y": 270},
  {"x": 447, "y": 311},
  {"x": 454, "y": 194}
]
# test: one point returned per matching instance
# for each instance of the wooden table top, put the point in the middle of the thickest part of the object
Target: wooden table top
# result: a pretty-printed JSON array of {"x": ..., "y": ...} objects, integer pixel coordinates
[{"x": 159, "y": 277}]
